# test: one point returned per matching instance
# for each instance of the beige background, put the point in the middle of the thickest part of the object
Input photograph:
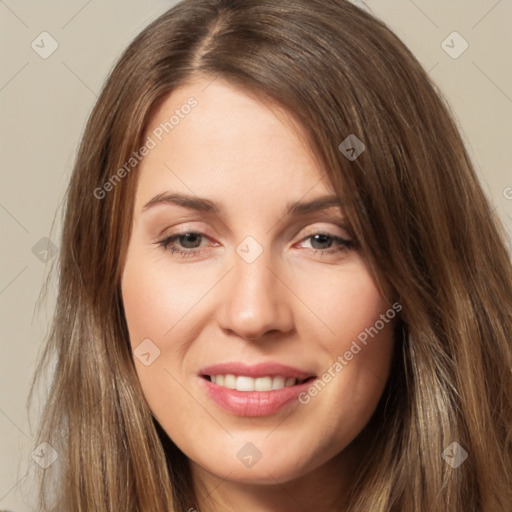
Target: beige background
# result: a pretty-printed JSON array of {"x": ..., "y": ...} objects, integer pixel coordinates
[{"x": 45, "y": 103}]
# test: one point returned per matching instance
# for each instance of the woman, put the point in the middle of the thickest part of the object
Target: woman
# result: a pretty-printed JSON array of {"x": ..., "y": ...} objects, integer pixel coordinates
[{"x": 211, "y": 352}]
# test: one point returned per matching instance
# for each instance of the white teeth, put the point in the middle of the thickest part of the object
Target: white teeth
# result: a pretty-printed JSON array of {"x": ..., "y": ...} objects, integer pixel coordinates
[
  {"x": 229, "y": 381},
  {"x": 245, "y": 383},
  {"x": 278, "y": 382},
  {"x": 263, "y": 384}
]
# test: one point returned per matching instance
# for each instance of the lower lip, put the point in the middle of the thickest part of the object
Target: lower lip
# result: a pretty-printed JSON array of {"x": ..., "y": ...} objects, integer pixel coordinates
[{"x": 254, "y": 403}]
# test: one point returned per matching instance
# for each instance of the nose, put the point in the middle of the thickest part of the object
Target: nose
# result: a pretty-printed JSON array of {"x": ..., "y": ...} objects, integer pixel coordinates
[{"x": 255, "y": 301}]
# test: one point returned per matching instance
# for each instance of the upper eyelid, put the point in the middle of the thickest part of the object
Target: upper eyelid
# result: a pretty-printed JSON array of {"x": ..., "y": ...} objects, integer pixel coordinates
[
  {"x": 335, "y": 222},
  {"x": 338, "y": 220}
]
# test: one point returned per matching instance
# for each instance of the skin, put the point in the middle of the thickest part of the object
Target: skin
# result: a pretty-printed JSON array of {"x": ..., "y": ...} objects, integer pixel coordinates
[{"x": 295, "y": 304}]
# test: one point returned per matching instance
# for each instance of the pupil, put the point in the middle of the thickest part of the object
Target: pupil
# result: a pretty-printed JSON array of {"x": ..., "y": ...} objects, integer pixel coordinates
[
  {"x": 320, "y": 238},
  {"x": 189, "y": 238}
]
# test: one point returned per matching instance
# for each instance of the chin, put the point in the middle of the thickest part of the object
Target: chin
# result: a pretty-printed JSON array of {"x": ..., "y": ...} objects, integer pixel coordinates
[{"x": 262, "y": 473}]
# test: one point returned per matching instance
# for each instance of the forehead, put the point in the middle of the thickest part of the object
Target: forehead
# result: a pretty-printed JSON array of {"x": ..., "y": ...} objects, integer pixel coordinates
[
  {"x": 213, "y": 139},
  {"x": 224, "y": 118}
]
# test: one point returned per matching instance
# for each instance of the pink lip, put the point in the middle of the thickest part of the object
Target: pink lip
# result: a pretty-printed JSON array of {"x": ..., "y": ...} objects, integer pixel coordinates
[
  {"x": 254, "y": 403},
  {"x": 256, "y": 370}
]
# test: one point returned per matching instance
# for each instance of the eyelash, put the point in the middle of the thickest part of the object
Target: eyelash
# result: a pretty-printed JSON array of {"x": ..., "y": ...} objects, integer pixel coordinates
[{"x": 344, "y": 244}]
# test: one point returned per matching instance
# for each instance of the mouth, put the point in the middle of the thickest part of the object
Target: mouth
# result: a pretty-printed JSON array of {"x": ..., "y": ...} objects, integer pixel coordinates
[
  {"x": 254, "y": 390},
  {"x": 248, "y": 383}
]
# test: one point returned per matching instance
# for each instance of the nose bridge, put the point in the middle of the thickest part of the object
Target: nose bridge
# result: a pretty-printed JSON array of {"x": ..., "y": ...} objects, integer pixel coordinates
[{"x": 255, "y": 299}]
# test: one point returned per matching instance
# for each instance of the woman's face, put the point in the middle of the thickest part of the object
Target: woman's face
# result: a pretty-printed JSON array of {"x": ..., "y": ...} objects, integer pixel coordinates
[{"x": 261, "y": 289}]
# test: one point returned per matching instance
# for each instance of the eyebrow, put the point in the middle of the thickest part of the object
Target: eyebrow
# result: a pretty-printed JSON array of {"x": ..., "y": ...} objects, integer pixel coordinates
[{"x": 197, "y": 203}]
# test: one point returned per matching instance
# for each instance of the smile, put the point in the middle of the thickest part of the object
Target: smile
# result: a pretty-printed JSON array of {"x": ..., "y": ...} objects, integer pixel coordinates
[{"x": 247, "y": 383}]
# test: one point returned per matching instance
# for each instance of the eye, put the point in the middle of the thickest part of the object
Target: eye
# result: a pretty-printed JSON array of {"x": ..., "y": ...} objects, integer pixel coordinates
[
  {"x": 188, "y": 244},
  {"x": 189, "y": 241},
  {"x": 328, "y": 244}
]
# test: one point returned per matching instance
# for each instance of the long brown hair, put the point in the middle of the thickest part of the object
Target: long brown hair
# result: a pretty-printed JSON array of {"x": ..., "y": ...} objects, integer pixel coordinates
[{"x": 423, "y": 224}]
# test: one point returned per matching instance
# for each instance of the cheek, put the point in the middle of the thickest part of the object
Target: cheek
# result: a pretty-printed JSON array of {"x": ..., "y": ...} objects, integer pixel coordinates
[
  {"x": 161, "y": 304},
  {"x": 346, "y": 303},
  {"x": 154, "y": 302},
  {"x": 356, "y": 353},
  {"x": 355, "y": 301},
  {"x": 156, "y": 297},
  {"x": 148, "y": 304}
]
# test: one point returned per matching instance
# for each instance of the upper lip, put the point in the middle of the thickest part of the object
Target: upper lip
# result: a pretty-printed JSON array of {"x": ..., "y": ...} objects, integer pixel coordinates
[{"x": 268, "y": 369}]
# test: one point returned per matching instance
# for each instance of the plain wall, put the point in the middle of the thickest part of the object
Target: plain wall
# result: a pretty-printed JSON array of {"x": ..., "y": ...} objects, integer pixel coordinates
[{"x": 45, "y": 104}]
